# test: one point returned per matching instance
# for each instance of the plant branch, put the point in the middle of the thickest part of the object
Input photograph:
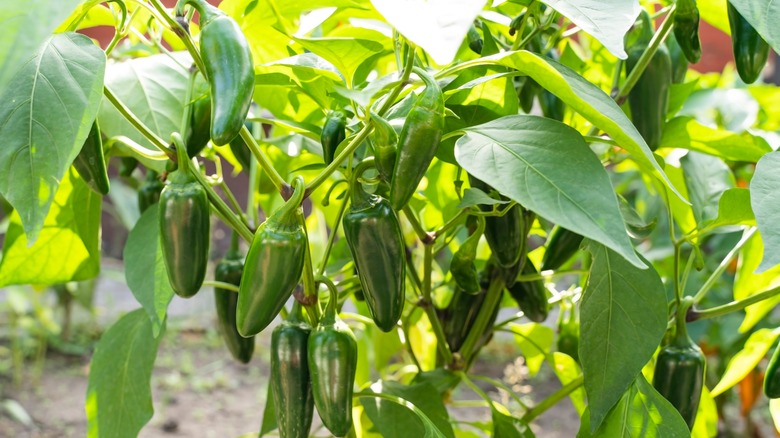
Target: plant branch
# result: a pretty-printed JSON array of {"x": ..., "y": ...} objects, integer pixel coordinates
[
  {"x": 695, "y": 314},
  {"x": 553, "y": 399},
  {"x": 723, "y": 265}
]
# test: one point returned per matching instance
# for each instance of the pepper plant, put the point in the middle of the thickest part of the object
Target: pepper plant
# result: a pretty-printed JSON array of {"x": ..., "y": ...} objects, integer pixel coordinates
[{"x": 407, "y": 163}]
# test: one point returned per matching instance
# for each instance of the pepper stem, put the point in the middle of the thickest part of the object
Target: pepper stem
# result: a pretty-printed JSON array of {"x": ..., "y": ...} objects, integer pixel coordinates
[
  {"x": 286, "y": 215},
  {"x": 206, "y": 11},
  {"x": 181, "y": 154},
  {"x": 431, "y": 97},
  {"x": 330, "y": 311},
  {"x": 295, "y": 315},
  {"x": 358, "y": 196},
  {"x": 681, "y": 337}
]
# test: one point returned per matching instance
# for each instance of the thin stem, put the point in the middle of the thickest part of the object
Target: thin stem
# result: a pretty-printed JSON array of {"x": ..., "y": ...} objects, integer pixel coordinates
[
  {"x": 723, "y": 265},
  {"x": 182, "y": 33},
  {"x": 227, "y": 214},
  {"x": 695, "y": 314},
  {"x": 221, "y": 285},
  {"x": 465, "y": 378},
  {"x": 408, "y": 65},
  {"x": 332, "y": 237},
  {"x": 658, "y": 38},
  {"x": 549, "y": 274},
  {"x": 430, "y": 311},
  {"x": 261, "y": 158},
  {"x": 501, "y": 385},
  {"x": 309, "y": 286},
  {"x": 138, "y": 124},
  {"x": 336, "y": 163},
  {"x": 408, "y": 345},
  {"x": 233, "y": 201},
  {"x": 517, "y": 43},
  {"x": 483, "y": 317},
  {"x": 450, "y": 224},
  {"x": 418, "y": 229},
  {"x": 553, "y": 399}
]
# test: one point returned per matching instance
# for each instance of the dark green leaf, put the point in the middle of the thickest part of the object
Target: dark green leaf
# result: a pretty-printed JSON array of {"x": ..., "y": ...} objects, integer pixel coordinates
[
  {"x": 706, "y": 178},
  {"x": 269, "y": 414},
  {"x": 623, "y": 318},
  {"x": 541, "y": 163},
  {"x": 392, "y": 420},
  {"x": 505, "y": 426},
  {"x": 119, "y": 397},
  {"x": 472, "y": 196},
  {"x": 765, "y": 199},
  {"x": 641, "y": 413},
  {"x": 145, "y": 271},
  {"x": 46, "y": 112}
]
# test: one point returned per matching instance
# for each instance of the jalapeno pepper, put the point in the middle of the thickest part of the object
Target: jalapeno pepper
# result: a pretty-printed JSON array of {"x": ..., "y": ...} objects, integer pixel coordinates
[
  {"x": 504, "y": 234},
  {"x": 686, "y": 29},
  {"x": 90, "y": 163},
  {"x": 149, "y": 192},
  {"x": 750, "y": 50},
  {"x": 333, "y": 133},
  {"x": 229, "y": 270}
]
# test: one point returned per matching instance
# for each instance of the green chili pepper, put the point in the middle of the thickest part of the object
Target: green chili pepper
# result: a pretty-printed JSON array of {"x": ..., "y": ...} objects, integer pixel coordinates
[
  {"x": 332, "y": 353},
  {"x": 199, "y": 127},
  {"x": 527, "y": 94},
  {"x": 274, "y": 265},
  {"x": 504, "y": 234},
  {"x": 384, "y": 140},
  {"x": 530, "y": 296},
  {"x": 750, "y": 50},
  {"x": 290, "y": 382},
  {"x": 569, "y": 329},
  {"x": 418, "y": 142},
  {"x": 461, "y": 314},
  {"x": 552, "y": 106},
  {"x": 649, "y": 98},
  {"x": 229, "y": 68},
  {"x": 333, "y": 133},
  {"x": 229, "y": 270},
  {"x": 561, "y": 246},
  {"x": 377, "y": 245},
  {"x": 185, "y": 229},
  {"x": 241, "y": 150},
  {"x": 126, "y": 166},
  {"x": 462, "y": 266},
  {"x": 475, "y": 40},
  {"x": 90, "y": 163},
  {"x": 772, "y": 376},
  {"x": 149, "y": 192},
  {"x": 686, "y": 29},
  {"x": 679, "y": 373},
  {"x": 679, "y": 62}
]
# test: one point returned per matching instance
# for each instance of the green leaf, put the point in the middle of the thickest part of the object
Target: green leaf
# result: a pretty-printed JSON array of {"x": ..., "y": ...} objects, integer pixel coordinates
[
  {"x": 534, "y": 341},
  {"x": 742, "y": 363},
  {"x": 541, "y": 163},
  {"x": 585, "y": 98},
  {"x": 119, "y": 397},
  {"x": 733, "y": 209},
  {"x": 154, "y": 89},
  {"x": 567, "y": 370},
  {"x": 623, "y": 319},
  {"x": 607, "y": 21},
  {"x": 392, "y": 420},
  {"x": 765, "y": 199},
  {"x": 46, "y": 112},
  {"x": 438, "y": 26},
  {"x": 761, "y": 14},
  {"x": 713, "y": 12},
  {"x": 269, "y": 414},
  {"x": 748, "y": 283},
  {"x": 346, "y": 54},
  {"x": 472, "y": 196},
  {"x": 26, "y": 25},
  {"x": 706, "y": 178},
  {"x": 506, "y": 426},
  {"x": 145, "y": 271},
  {"x": 72, "y": 225},
  {"x": 641, "y": 412},
  {"x": 686, "y": 133}
]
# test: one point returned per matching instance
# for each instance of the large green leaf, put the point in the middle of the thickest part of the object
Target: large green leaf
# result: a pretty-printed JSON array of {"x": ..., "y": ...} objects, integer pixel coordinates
[
  {"x": 534, "y": 341},
  {"x": 713, "y": 12},
  {"x": 765, "y": 199},
  {"x": 606, "y": 20},
  {"x": 438, "y": 26},
  {"x": 762, "y": 15},
  {"x": 346, "y": 54},
  {"x": 145, "y": 271},
  {"x": 623, "y": 317},
  {"x": 72, "y": 225},
  {"x": 587, "y": 99},
  {"x": 26, "y": 25},
  {"x": 46, "y": 112},
  {"x": 392, "y": 420},
  {"x": 706, "y": 178},
  {"x": 685, "y": 132},
  {"x": 154, "y": 89},
  {"x": 733, "y": 209},
  {"x": 567, "y": 370},
  {"x": 641, "y": 413},
  {"x": 742, "y": 363},
  {"x": 748, "y": 283},
  {"x": 542, "y": 163},
  {"x": 119, "y": 397},
  {"x": 706, "y": 424}
]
